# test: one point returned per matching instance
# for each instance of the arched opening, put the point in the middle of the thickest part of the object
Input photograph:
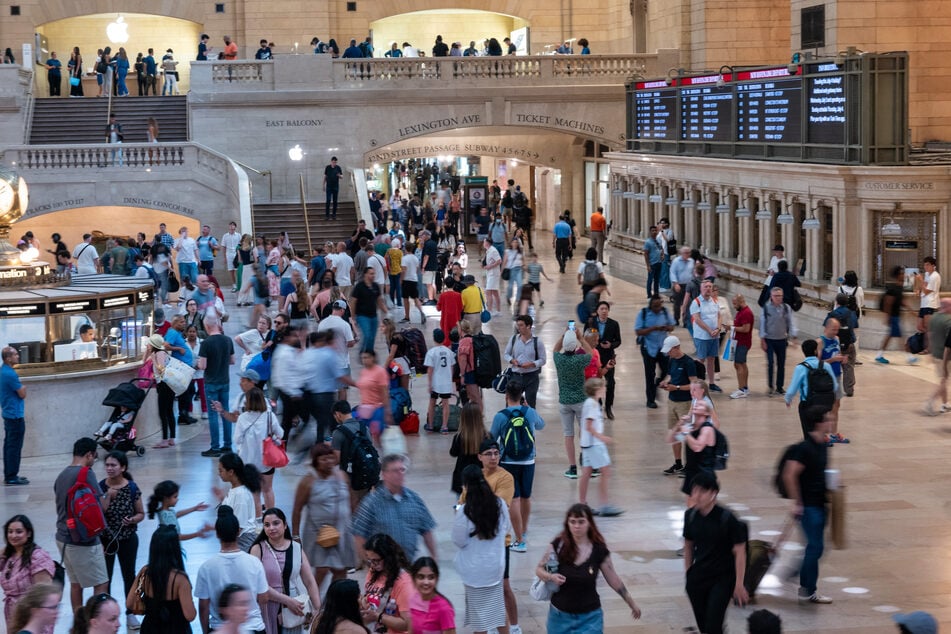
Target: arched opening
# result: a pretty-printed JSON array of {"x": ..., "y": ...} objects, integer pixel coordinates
[
  {"x": 136, "y": 32},
  {"x": 420, "y": 28}
]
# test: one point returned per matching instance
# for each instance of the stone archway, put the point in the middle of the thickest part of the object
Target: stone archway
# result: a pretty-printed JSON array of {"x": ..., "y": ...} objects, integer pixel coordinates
[{"x": 456, "y": 24}]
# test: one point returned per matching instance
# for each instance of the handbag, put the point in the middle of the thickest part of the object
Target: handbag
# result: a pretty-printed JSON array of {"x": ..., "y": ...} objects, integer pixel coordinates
[
  {"x": 173, "y": 284},
  {"x": 485, "y": 315},
  {"x": 506, "y": 274},
  {"x": 288, "y": 619},
  {"x": 730, "y": 347},
  {"x": 177, "y": 375},
  {"x": 328, "y": 536},
  {"x": 539, "y": 590},
  {"x": 501, "y": 382},
  {"x": 273, "y": 452},
  {"x": 137, "y": 605},
  {"x": 74, "y": 81}
]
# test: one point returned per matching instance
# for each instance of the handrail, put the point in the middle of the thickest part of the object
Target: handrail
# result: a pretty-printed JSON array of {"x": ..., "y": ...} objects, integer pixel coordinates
[
  {"x": 30, "y": 103},
  {"x": 361, "y": 196},
  {"x": 270, "y": 187}
]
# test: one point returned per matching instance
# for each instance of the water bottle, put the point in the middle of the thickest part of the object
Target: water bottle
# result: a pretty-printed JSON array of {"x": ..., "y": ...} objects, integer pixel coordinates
[
  {"x": 552, "y": 565},
  {"x": 390, "y": 607}
]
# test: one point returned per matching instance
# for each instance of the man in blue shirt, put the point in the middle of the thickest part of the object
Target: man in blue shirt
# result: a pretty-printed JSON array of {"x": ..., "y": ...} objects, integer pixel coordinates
[
  {"x": 12, "y": 395},
  {"x": 321, "y": 377},
  {"x": 681, "y": 272},
  {"x": 353, "y": 51},
  {"x": 652, "y": 325},
  {"x": 54, "y": 75},
  {"x": 653, "y": 257},
  {"x": 562, "y": 242},
  {"x": 800, "y": 383},
  {"x": 207, "y": 248}
]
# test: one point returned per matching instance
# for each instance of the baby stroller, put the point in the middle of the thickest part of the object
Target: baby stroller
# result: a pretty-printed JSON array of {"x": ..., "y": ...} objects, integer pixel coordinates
[{"x": 129, "y": 395}]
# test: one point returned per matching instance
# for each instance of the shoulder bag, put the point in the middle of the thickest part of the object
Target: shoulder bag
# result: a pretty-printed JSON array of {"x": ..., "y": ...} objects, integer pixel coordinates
[
  {"x": 273, "y": 452},
  {"x": 486, "y": 316},
  {"x": 137, "y": 606},
  {"x": 177, "y": 375},
  {"x": 328, "y": 536},
  {"x": 289, "y": 620}
]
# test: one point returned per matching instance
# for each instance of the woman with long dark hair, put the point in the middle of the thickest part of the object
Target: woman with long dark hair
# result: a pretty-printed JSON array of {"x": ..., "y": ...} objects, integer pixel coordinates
[
  {"x": 479, "y": 532},
  {"x": 75, "y": 68},
  {"x": 571, "y": 564},
  {"x": 23, "y": 564},
  {"x": 167, "y": 591},
  {"x": 122, "y": 505},
  {"x": 389, "y": 587},
  {"x": 288, "y": 572},
  {"x": 341, "y": 613},
  {"x": 245, "y": 481}
]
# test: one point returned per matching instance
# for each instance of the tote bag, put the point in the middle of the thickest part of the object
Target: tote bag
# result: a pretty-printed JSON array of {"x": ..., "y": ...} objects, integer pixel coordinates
[{"x": 177, "y": 375}]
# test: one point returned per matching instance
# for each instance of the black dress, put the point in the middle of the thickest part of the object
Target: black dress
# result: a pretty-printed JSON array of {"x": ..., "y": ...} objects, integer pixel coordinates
[
  {"x": 704, "y": 460},
  {"x": 463, "y": 460},
  {"x": 164, "y": 617}
]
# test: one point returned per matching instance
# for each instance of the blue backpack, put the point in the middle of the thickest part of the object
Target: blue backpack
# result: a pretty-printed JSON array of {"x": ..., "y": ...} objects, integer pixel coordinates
[
  {"x": 261, "y": 364},
  {"x": 400, "y": 403}
]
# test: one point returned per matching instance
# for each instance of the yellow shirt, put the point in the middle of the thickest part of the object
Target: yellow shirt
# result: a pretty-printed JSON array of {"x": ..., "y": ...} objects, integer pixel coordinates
[
  {"x": 394, "y": 258},
  {"x": 503, "y": 485},
  {"x": 472, "y": 299}
]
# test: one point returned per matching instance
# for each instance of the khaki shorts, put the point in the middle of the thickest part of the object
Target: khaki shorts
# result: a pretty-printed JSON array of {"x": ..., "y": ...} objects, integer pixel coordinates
[
  {"x": 675, "y": 410},
  {"x": 85, "y": 565},
  {"x": 596, "y": 457}
]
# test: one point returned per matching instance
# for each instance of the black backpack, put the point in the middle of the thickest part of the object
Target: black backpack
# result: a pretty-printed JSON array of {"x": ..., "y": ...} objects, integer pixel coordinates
[
  {"x": 778, "y": 482},
  {"x": 590, "y": 273},
  {"x": 488, "y": 360},
  {"x": 846, "y": 333},
  {"x": 519, "y": 200},
  {"x": 362, "y": 462},
  {"x": 507, "y": 199},
  {"x": 820, "y": 386},
  {"x": 515, "y": 439},
  {"x": 853, "y": 303},
  {"x": 721, "y": 450}
]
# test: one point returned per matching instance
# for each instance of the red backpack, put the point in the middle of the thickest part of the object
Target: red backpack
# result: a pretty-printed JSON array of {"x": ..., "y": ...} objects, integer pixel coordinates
[{"x": 84, "y": 516}]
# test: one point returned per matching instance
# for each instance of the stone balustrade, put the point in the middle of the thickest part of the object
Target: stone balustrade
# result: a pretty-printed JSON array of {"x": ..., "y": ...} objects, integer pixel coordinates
[
  {"x": 98, "y": 155},
  {"x": 310, "y": 72}
]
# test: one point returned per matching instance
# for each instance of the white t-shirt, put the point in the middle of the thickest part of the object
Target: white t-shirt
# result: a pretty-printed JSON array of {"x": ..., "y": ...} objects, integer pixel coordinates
[
  {"x": 933, "y": 284},
  {"x": 240, "y": 499},
  {"x": 253, "y": 340},
  {"x": 492, "y": 276},
  {"x": 377, "y": 263},
  {"x": 226, "y": 568},
  {"x": 230, "y": 242},
  {"x": 250, "y": 430},
  {"x": 85, "y": 255},
  {"x": 343, "y": 264},
  {"x": 343, "y": 335},
  {"x": 708, "y": 310},
  {"x": 441, "y": 360},
  {"x": 591, "y": 409},
  {"x": 185, "y": 250},
  {"x": 774, "y": 267},
  {"x": 586, "y": 262},
  {"x": 410, "y": 264}
]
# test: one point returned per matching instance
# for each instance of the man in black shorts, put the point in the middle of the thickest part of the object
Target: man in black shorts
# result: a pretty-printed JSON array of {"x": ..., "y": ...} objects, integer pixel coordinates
[{"x": 410, "y": 284}]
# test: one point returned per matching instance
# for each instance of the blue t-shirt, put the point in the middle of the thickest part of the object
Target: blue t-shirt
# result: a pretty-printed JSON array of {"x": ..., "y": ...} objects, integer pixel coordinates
[
  {"x": 831, "y": 348},
  {"x": 175, "y": 338},
  {"x": 9, "y": 399},
  {"x": 483, "y": 224},
  {"x": 205, "y": 246},
  {"x": 55, "y": 65},
  {"x": 652, "y": 248},
  {"x": 151, "y": 67},
  {"x": 562, "y": 229}
]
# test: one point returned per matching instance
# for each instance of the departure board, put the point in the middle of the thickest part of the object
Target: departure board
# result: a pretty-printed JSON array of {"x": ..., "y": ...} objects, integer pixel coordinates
[
  {"x": 769, "y": 111},
  {"x": 656, "y": 115},
  {"x": 828, "y": 111},
  {"x": 706, "y": 113}
]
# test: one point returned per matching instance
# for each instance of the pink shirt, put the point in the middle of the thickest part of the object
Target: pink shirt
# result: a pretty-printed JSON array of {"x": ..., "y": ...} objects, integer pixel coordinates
[
  {"x": 374, "y": 384},
  {"x": 431, "y": 617}
]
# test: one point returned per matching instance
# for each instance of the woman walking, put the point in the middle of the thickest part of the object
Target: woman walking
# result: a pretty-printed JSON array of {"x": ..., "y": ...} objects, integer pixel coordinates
[
  {"x": 465, "y": 444},
  {"x": 122, "y": 505},
  {"x": 389, "y": 587},
  {"x": 572, "y": 563},
  {"x": 325, "y": 494},
  {"x": 38, "y": 610},
  {"x": 166, "y": 589},
  {"x": 255, "y": 424}
]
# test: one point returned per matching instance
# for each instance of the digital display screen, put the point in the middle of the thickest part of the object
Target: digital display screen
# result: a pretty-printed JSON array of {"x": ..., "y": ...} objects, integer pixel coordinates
[
  {"x": 769, "y": 111},
  {"x": 706, "y": 113},
  {"x": 655, "y": 113},
  {"x": 826, "y": 107}
]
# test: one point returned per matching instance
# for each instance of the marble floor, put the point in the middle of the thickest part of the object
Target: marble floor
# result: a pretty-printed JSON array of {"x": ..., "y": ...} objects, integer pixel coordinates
[{"x": 899, "y": 532}]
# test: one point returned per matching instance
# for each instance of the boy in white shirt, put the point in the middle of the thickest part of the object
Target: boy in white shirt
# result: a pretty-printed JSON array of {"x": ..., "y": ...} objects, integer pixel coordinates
[
  {"x": 439, "y": 361},
  {"x": 594, "y": 450}
]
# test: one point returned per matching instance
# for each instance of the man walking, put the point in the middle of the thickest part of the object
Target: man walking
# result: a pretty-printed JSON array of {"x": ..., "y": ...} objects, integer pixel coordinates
[
  {"x": 84, "y": 560},
  {"x": 570, "y": 364},
  {"x": 743, "y": 341},
  {"x": 848, "y": 323},
  {"x": 680, "y": 370},
  {"x": 681, "y": 272},
  {"x": 652, "y": 326},
  {"x": 609, "y": 340},
  {"x": 892, "y": 303},
  {"x": 215, "y": 357},
  {"x": 776, "y": 328},
  {"x": 231, "y": 241},
  {"x": 561, "y": 242},
  {"x": 803, "y": 382},
  {"x": 598, "y": 228},
  {"x": 333, "y": 174},
  {"x": 207, "y": 248},
  {"x": 12, "y": 396},
  {"x": 394, "y": 510},
  {"x": 86, "y": 256},
  {"x": 366, "y": 304},
  {"x": 654, "y": 259},
  {"x": 705, "y": 316},
  {"x": 509, "y": 427},
  {"x": 714, "y": 555},
  {"x": 805, "y": 481},
  {"x": 525, "y": 353}
]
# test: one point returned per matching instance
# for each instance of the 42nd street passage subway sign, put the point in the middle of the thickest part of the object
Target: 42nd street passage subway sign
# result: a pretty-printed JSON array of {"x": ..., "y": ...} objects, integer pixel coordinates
[{"x": 848, "y": 110}]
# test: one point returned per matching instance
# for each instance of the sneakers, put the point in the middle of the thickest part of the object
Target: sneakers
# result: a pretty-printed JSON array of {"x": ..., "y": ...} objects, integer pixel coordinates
[
  {"x": 715, "y": 388},
  {"x": 740, "y": 394},
  {"x": 519, "y": 547},
  {"x": 211, "y": 453},
  {"x": 132, "y": 623},
  {"x": 610, "y": 511},
  {"x": 674, "y": 469},
  {"x": 881, "y": 359},
  {"x": 838, "y": 438},
  {"x": 652, "y": 405},
  {"x": 929, "y": 410},
  {"x": 945, "y": 408},
  {"x": 815, "y": 597},
  {"x": 595, "y": 473},
  {"x": 17, "y": 481},
  {"x": 515, "y": 629},
  {"x": 912, "y": 360},
  {"x": 572, "y": 472}
]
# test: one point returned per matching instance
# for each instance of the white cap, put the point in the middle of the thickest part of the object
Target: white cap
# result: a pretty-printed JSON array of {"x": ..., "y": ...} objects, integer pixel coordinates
[
  {"x": 669, "y": 343},
  {"x": 570, "y": 341}
]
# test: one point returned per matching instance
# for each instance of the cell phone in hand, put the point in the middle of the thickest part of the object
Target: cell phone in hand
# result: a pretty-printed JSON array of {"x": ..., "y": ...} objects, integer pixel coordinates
[{"x": 571, "y": 324}]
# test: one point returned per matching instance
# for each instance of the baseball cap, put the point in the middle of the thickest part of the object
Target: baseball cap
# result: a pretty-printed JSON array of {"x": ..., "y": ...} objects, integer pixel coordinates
[
  {"x": 251, "y": 375},
  {"x": 340, "y": 305},
  {"x": 917, "y": 622},
  {"x": 487, "y": 444},
  {"x": 468, "y": 279},
  {"x": 669, "y": 343}
]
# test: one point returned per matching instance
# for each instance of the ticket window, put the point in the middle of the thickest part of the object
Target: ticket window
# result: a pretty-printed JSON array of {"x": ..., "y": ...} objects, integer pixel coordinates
[
  {"x": 903, "y": 239},
  {"x": 27, "y": 335}
]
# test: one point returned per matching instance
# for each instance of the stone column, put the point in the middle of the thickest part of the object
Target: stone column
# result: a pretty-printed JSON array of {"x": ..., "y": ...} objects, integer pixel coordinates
[{"x": 707, "y": 221}]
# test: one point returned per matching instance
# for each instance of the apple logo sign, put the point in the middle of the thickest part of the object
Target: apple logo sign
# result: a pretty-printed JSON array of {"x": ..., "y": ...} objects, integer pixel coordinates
[
  {"x": 296, "y": 153},
  {"x": 118, "y": 31}
]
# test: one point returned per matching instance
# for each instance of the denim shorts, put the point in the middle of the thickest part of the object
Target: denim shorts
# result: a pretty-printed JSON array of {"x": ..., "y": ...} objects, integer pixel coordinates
[
  {"x": 894, "y": 326},
  {"x": 706, "y": 347},
  {"x": 566, "y": 623}
]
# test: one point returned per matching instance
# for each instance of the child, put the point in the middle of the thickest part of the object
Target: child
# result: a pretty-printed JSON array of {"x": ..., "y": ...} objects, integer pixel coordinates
[
  {"x": 594, "y": 450},
  {"x": 109, "y": 428},
  {"x": 194, "y": 343},
  {"x": 439, "y": 362},
  {"x": 430, "y": 611},
  {"x": 162, "y": 503},
  {"x": 535, "y": 271}
]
